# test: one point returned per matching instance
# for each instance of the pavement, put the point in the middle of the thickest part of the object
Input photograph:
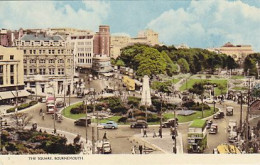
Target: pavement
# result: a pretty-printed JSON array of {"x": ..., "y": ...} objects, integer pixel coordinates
[{"x": 164, "y": 144}]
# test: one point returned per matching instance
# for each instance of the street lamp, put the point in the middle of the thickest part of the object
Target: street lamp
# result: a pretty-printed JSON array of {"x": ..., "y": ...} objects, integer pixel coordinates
[
  {"x": 160, "y": 130},
  {"x": 214, "y": 102}
]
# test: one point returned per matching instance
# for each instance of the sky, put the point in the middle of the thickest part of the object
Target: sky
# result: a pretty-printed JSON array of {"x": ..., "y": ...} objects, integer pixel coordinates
[{"x": 196, "y": 23}]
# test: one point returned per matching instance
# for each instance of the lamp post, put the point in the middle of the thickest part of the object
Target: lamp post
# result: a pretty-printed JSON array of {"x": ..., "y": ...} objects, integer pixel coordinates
[
  {"x": 0, "y": 134},
  {"x": 160, "y": 131},
  {"x": 214, "y": 102},
  {"x": 241, "y": 102},
  {"x": 247, "y": 114},
  {"x": 175, "y": 132}
]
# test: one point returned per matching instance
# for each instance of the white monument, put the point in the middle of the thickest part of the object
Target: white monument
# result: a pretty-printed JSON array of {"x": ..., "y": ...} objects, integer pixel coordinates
[{"x": 146, "y": 93}]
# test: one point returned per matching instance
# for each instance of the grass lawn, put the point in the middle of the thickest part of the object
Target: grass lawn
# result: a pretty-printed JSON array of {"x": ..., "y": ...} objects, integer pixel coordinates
[
  {"x": 66, "y": 112},
  {"x": 216, "y": 81},
  {"x": 196, "y": 115},
  {"x": 240, "y": 88},
  {"x": 237, "y": 77},
  {"x": 113, "y": 118}
]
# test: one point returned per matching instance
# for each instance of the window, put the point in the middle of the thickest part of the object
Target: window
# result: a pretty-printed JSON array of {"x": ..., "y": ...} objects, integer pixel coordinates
[
  {"x": 60, "y": 61},
  {"x": 51, "y": 71},
  {"x": 68, "y": 60},
  {"x": 49, "y": 51},
  {"x": 58, "y": 51},
  {"x": 32, "y": 61},
  {"x": 1, "y": 69},
  {"x": 42, "y": 71},
  {"x": 52, "y": 51},
  {"x": 11, "y": 68},
  {"x": 34, "y": 51},
  {"x": 62, "y": 51},
  {"x": 30, "y": 51},
  {"x": 25, "y": 71},
  {"x": 60, "y": 71},
  {"x": 1, "y": 80},
  {"x": 51, "y": 61},
  {"x": 43, "y": 51},
  {"x": 24, "y": 51},
  {"x": 40, "y": 51},
  {"x": 1, "y": 57},
  {"x": 42, "y": 61},
  {"x": 11, "y": 57},
  {"x": 24, "y": 61},
  {"x": 11, "y": 79}
]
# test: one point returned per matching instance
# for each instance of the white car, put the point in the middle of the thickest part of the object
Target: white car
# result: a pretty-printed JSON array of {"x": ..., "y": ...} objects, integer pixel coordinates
[{"x": 106, "y": 148}]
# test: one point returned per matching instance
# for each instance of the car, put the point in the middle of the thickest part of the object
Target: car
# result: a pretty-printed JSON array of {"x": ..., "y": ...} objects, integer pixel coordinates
[
  {"x": 82, "y": 122},
  {"x": 210, "y": 101},
  {"x": 106, "y": 148},
  {"x": 110, "y": 125},
  {"x": 170, "y": 123},
  {"x": 139, "y": 124},
  {"x": 213, "y": 129},
  {"x": 218, "y": 115},
  {"x": 43, "y": 100},
  {"x": 209, "y": 123},
  {"x": 229, "y": 111}
]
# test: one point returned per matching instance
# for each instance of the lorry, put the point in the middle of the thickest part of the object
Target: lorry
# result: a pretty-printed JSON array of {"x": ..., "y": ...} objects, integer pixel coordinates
[
  {"x": 226, "y": 149},
  {"x": 50, "y": 105},
  {"x": 197, "y": 136}
]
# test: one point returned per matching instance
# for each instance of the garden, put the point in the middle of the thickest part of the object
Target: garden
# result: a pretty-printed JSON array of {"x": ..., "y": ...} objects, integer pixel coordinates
[{"x": 22, "y": 106}]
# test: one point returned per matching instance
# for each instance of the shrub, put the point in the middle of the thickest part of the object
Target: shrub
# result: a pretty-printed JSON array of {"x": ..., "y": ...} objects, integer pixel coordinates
[
  {"x": 76, "y": 110},
  {"x": 153, "y": 118},
  {"x": 122, "y": 120},
  {"x": 139, "y": 113},
  {"x": 199, "y": 108},
  {"x": 33, "y": 103},
  {"x": 135, "y": 101},
  {"x": 189, "y": 103},
  {"x": 140, "y": 118}
]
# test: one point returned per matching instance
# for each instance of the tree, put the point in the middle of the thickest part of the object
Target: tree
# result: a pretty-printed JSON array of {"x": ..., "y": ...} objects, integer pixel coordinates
[
  {"x": 184, "y": 66},
  {"x": 231, "y": 64},
  {"x": 197, "y": 88},
  {"x": 120, "y": 63},
  {"x": 21, "y": 119}
]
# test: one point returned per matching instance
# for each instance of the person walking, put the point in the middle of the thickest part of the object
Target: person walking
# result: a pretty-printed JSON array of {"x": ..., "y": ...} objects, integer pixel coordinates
[
  {"x": 133, "y": 150},
  {"x": 105, "y": 135},
  {"x": 141, "y": 149},
  {"x": 154, "y": 133},
  {"x": 145, "y": 133},
  {"x": 40, "y": 113},
  {"x": 43, "y": 114},
  {"x": 160, "y": 132}
]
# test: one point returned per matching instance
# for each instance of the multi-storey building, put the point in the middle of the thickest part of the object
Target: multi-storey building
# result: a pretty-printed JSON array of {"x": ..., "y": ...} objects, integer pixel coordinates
[
  {"x": 11, "y": 75},
  {"x": 102, "y": 41},
  {"x": 47, "y": 62},
  {"x": 238, "y": 52},
  {"x": 148, "y": 37},
  {"x": 101, "y": 64},
  {"x": 82, "y": 48}
]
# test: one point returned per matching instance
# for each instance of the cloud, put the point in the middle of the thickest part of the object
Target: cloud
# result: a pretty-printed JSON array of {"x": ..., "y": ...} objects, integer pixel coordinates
[
  {"x": 45, "y": 14},
  {"x": 210, "y": 24}
]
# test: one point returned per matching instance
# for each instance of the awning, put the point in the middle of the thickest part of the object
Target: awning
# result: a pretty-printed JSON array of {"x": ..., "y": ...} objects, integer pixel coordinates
[
  {"x": 21, "y": 93},
  {"x": 108, "y": 74},
  {"x": 6, "y": 95}
]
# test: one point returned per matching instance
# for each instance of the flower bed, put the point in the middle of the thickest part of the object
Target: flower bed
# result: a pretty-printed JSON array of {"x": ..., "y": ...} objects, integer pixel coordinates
[{"x": 22, "y": 106}]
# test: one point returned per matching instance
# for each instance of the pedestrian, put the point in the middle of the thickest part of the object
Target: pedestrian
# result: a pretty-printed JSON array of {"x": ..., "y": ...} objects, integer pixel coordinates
[
  {"x": 154, "y": 133},
  {"x": 141, "y": 149},
  {"x": 40, "y": 130},
  {"x": 105, "y": 135},
  {"x": 133, "y": 150},
  {"x": 160, "y": 132},
  {"x": 40, "y": 113},
  {"x": 43, "y": 114},
  {"x": 145, "y": 133}
]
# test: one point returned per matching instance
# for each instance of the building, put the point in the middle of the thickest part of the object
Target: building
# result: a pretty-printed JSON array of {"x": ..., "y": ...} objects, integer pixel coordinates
[
  {"x": 101, "y": 64},
  {"x": 148, "y": 37},
  {"x": 11, "y": 75},
  {"x": 102, "y": 41},
  {"x": 48, "y": 63},
  {"x": 238, "y": 52},
  {"x": 82, "y": 48}
]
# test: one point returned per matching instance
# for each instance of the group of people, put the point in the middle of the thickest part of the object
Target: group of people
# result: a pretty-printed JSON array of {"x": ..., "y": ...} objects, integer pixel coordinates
[
  {"x": 154, "y": 133},
  {"x": 140, "y": 148}
]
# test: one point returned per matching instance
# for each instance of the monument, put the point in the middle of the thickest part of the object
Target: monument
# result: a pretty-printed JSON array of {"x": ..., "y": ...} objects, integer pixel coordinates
[{"x": 146, "y": 93}]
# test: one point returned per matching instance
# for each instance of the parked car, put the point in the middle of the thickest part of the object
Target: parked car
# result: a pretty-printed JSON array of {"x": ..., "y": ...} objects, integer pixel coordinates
[
  {"x": 170, "y": 123},
  {"x": 43, "y": 100},
  {"x": 213, "y": 129},
  {"x": 110, "y": 124},
  {"x": 218, "y": 115},
  {"x": 139, "y": 124},
  {"x": 82, "y": 122},
  {"x": 106, "y": 148},
  {"x": 60, "y": 103},
  {"x": 229, "y": 111}
]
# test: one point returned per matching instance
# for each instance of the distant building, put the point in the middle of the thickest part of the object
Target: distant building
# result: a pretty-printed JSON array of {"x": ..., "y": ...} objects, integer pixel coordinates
[
  {"x": 102, "y": 41},
  {"x": 238, "y": 52},
  {"x": 182, "y": 46},
  {"x": 148, "y": 37},
  {"x": 46, "y": 59},
  {"x": 11, "y": 75},
  {"x": 101, "y": 64}
]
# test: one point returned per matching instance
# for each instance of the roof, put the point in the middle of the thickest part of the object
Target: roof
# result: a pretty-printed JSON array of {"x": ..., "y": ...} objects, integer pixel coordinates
[
  {"x": 198, "y": 123},
  {"x": 40, "y": 37},
  {"x": 228, "y": 149}
]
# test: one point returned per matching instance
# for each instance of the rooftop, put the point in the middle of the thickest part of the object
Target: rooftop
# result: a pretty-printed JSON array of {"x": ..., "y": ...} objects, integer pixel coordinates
[
  {"x": 198, "y": 123},
  {"x": 40, "y": 37}
]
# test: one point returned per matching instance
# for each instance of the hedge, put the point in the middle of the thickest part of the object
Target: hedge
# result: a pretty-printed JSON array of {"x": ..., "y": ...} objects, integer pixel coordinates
[{"x": 22, "y": 106}]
